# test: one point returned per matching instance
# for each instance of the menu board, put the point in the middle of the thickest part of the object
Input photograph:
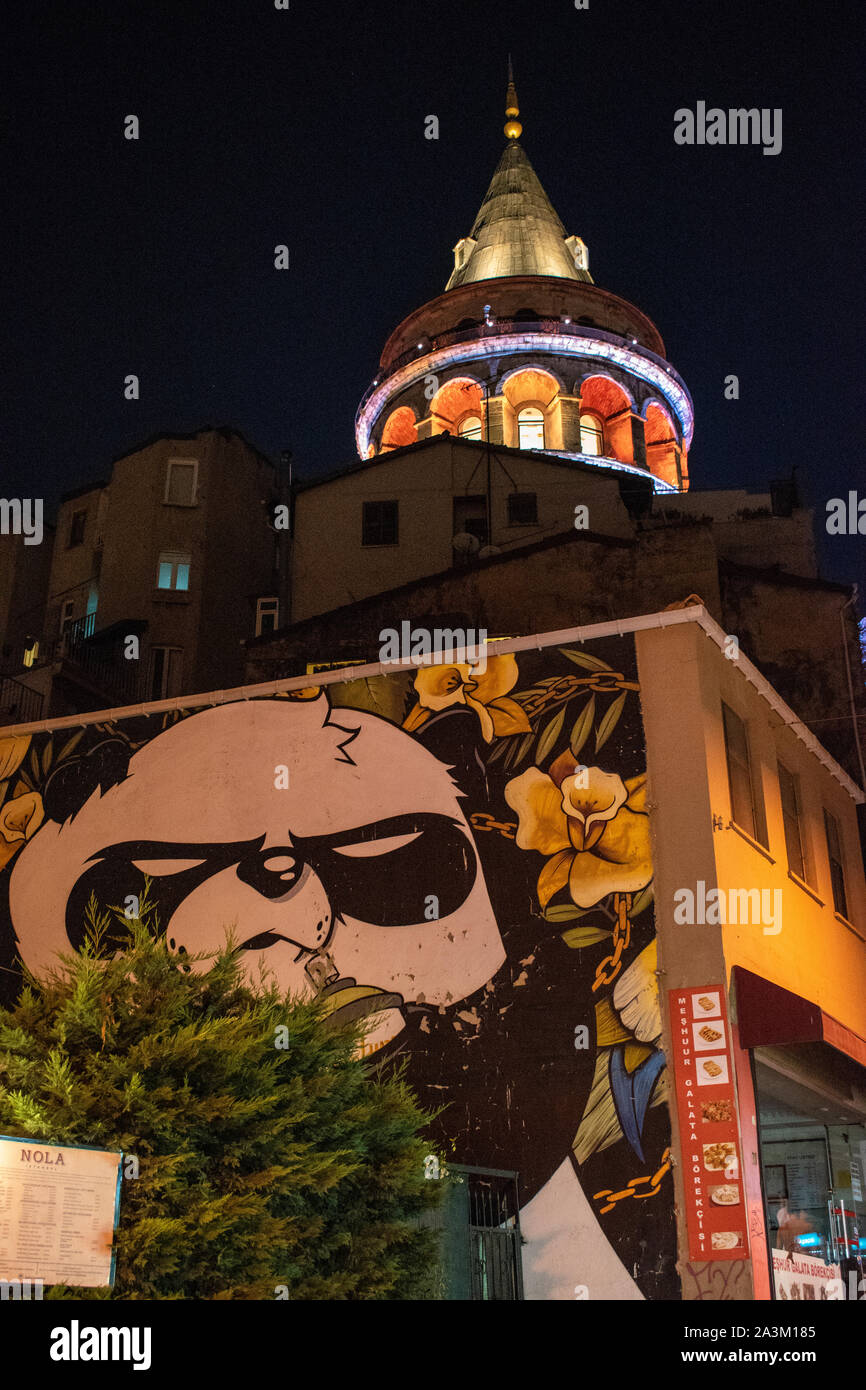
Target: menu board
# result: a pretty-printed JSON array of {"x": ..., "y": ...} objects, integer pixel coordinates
[
  {"x": 806, "y": 1166},
  {"x": 709, "y": 1135},
  {"x": 58, "y": 1212}
]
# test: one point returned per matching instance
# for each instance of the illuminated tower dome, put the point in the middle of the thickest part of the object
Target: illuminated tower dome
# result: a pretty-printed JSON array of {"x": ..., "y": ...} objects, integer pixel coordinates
[{"x": 525, "y": 350}]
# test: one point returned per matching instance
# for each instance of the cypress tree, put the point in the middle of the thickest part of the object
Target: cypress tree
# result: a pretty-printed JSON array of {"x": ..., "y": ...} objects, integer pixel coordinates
[{"x": 271, "y": 1163}]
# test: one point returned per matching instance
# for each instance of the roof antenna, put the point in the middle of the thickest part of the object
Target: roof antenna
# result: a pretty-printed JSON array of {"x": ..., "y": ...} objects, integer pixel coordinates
[{"x": 513, "y": 128}]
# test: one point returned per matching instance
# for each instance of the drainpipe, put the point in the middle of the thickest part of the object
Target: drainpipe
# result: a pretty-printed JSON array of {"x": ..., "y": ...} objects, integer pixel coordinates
[{"x": 851, "y": 600}]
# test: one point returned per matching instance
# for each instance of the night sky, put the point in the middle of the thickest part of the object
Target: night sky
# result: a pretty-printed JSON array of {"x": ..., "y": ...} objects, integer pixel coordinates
[{"x": 306, "y": 127}]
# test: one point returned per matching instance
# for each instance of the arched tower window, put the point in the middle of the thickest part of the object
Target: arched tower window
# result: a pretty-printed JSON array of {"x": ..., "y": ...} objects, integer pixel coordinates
[
  {"x": 470, "y": 427},
  {"x": 400, "y": 429},
  {"x": 530, "y": 428},
  {"x": 591, "y": 435},
  {"x": 607, "y": 401}
]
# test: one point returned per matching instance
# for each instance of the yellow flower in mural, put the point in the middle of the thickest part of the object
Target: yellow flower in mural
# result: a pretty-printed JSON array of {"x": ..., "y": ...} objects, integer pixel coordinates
[
  {"x": 12, "y": 751},
  {"x": 19, "y": 819},
  {"x": 592, "y": 824},
  {"x": 485, "y": 692}
]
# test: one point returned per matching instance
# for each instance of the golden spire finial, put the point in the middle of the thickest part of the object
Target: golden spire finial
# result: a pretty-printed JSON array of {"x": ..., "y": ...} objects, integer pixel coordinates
[{"x": 513, "y": 128}]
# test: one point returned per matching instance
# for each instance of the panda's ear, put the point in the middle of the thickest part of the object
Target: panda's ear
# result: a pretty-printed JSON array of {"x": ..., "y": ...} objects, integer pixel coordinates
[
  {"x": 75, "y": 779},
  {"x": 454, "y": 737}
]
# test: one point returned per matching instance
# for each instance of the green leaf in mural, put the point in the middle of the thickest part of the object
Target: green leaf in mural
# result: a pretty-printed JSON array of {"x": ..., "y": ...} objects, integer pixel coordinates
[
  {"x": 584, "y": 659},
  {"x": 642, "y": 900},
  {"x": 521, "y": 749},
  {"x": 582, "y": 726},
  {"x": 578, "y": 937},
  {"x": 513, "y": 750},
  {"x": 503, "y": 746},
  {"x": 550, "y": 735},
  {"x": 526, "y": 745},
  {"x": 566, "y": 912},
  {"x": 46, "y": 757},
  {"x": 610, "y": 721},
  {"x": 68, "y": 747}
]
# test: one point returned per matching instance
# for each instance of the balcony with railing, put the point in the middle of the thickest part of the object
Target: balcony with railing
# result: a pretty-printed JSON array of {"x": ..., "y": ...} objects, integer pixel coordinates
[
  {"x": 81, "y": 669},
  {"x": 485, "y": 332},
  {"x": 18, "y": 703}
]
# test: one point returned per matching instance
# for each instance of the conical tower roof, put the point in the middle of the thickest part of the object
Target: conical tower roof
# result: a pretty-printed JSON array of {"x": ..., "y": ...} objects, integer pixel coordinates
[{"x": 517, "y": 231}]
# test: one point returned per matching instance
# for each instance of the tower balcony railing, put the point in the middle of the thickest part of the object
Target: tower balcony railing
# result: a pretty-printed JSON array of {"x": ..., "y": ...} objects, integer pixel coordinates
[{"x": 500, "y": 327}]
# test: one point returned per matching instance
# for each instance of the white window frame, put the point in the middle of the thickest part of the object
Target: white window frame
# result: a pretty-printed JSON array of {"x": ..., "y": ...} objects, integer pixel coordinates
[
  {"x": 265, "y": 606},
  {"x": 175, "y": 558},
  {"x": 531, "y": 424},
  {"x": 166, "y": 669},
  {"x": 186, "y": 463},
  {"x": 477, "y": 430},
  {"x": 595, "y": 426}
]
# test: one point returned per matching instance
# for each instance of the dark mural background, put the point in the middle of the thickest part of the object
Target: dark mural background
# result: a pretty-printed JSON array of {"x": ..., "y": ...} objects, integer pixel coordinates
[{"x": 460, "y": 855}]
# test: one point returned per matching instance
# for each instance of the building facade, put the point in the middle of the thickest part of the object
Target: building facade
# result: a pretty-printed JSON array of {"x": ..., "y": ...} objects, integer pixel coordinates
[{"x": 156, "y": 577}]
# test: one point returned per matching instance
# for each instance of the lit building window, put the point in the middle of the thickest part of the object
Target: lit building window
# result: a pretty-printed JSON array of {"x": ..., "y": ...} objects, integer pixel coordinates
[
  {"x": 530, "y": 428},
  {"x": 470, "y": 428},
  {"x": 267, "y": 615},
  {"x": 591, "y": 435},
  {"x": 31, "y": 653},
  {"x": 173, "y": 572}
]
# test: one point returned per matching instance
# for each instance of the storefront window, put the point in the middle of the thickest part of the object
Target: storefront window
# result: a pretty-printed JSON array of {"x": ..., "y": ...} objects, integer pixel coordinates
[{"x": 813, "y": 1160}]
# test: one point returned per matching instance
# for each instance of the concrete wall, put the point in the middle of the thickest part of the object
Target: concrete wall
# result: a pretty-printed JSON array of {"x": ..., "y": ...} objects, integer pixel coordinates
[
  {"x": 566, "y": 582},
  {"x": 24, "y": 571}
]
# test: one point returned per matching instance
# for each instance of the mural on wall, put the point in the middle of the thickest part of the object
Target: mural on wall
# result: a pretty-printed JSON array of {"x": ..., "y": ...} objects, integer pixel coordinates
[{"x": 459, "y": 855}]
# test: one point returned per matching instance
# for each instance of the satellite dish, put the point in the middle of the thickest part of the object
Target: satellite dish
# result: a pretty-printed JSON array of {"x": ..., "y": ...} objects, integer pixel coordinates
[
  {"x": 465, "y": 544},
  {"x": 486, "y": 551}
]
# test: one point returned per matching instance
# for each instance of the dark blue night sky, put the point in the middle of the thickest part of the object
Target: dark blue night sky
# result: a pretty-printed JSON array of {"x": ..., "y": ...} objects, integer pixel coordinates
[{"x": 306, "y": 127}]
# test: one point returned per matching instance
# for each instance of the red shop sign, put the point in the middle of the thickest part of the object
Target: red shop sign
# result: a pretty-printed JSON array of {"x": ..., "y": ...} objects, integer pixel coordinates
[{"x": 709, "y": 1134}]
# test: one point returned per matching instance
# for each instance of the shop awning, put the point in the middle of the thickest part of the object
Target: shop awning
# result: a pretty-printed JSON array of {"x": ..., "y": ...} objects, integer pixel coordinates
[{"x": 768, "y": 1015}]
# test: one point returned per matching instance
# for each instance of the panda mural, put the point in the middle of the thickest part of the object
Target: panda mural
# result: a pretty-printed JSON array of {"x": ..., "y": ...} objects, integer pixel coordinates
[{"x": 449, "y": 870}]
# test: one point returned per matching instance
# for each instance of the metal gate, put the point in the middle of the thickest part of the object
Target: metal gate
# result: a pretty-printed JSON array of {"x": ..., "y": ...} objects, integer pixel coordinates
[{"x": 480, "y": 1225}]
